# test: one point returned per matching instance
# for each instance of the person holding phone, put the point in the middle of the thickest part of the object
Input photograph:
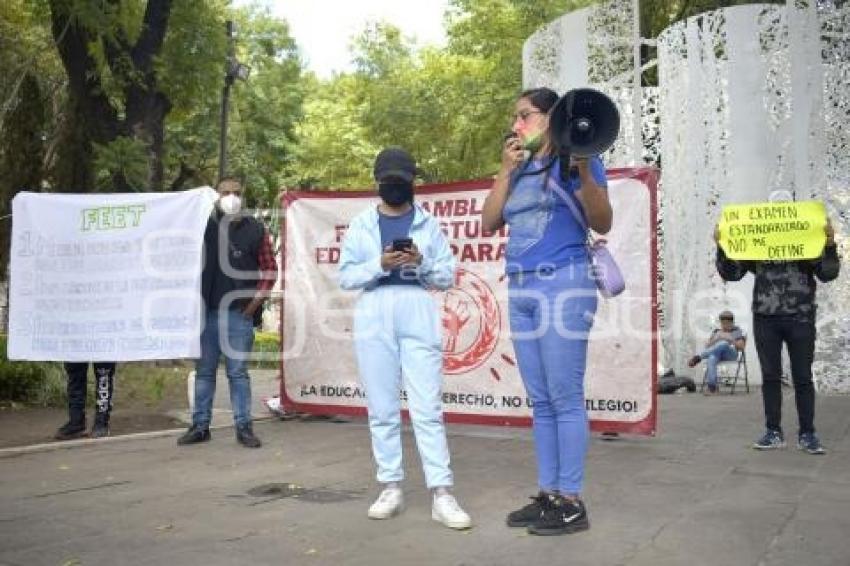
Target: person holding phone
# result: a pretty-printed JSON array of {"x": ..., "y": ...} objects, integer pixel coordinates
[{"x": 394, "y": 253}]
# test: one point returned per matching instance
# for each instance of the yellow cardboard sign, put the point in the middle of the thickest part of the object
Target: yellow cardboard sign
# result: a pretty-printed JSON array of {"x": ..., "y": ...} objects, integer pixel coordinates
[{"x": 773, "y": 231}]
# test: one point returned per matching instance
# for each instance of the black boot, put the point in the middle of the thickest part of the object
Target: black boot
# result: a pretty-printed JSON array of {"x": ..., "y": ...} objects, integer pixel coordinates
[
  {"x": 100, "y": 428},
  {"x": 245, "y": 436},
  {"x": 195, "y": 434},
  {"x": 74, "y": 428}
]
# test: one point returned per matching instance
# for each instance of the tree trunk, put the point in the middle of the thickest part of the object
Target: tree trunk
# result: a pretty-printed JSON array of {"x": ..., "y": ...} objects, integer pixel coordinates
[
  {"x": 146, "y": 105},
  {"x": 93, "y": 118},
  {"x": 183, "y": 176},
  {"x": 21, "y": 163},
  {"x": 145, "y": 120},
  {"x": 72, "y": 170},
  {"x": 21, "y": 167}
]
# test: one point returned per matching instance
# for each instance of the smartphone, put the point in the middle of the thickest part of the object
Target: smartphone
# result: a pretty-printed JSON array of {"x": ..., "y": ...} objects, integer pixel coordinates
[{"x": 402, "y": 244}]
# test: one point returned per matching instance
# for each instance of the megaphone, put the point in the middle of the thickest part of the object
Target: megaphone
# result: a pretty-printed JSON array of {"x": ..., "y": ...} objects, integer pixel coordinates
[{"x": 584, "y": 122}]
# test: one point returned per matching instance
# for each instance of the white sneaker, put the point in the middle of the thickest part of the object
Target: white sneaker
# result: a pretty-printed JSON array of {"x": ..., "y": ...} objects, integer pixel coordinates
[
  {"x": 389, "y": 503},
  {"x": 447, "y": 511}
]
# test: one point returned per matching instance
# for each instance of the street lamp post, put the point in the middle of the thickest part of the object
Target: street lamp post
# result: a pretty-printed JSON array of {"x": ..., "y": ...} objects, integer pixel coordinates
[{"x": 233, "y": 70}]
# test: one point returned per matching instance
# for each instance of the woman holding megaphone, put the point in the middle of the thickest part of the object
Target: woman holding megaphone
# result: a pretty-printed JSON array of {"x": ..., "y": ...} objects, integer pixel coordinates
[{"x": 552, "y": 299}]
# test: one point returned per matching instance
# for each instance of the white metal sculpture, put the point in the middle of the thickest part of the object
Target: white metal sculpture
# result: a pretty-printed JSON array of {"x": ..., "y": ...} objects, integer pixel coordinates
[
  {"x": 752, "y": 101},
  {"x": 598, "y": 47}
]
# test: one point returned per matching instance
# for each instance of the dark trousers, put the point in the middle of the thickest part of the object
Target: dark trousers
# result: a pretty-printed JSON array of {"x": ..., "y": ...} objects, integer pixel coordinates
[
  {"x": 104, "y": 373},
  {"x": 799, "y": 337}
]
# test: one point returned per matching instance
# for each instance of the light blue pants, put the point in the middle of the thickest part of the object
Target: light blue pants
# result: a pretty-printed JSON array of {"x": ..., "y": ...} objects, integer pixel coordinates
[
  {"x": 721, "y": 351},
  {"x": 551, "y": 315},
  {"x": 397, "y": 333}
]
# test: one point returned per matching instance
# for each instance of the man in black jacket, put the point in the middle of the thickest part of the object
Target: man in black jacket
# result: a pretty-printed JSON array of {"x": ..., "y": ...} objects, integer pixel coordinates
[
  {"x": 784, "y": 312},
  {"x": 239, "y": 271}
]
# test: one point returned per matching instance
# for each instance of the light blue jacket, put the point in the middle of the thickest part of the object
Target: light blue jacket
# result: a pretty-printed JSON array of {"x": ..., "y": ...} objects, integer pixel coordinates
[{"x": 360, "y": 259}]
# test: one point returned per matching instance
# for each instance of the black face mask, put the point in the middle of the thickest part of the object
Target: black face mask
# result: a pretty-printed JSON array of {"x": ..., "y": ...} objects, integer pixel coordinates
[{"x": 395, "y": 194}]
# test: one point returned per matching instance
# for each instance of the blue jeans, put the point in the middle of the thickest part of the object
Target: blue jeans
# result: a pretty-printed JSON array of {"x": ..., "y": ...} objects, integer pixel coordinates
[
  {"x": 239, "y": 332},
  {"x": 551, "y": 315},
  {"x": 397, "y": 337},
  {"x": 719, "y": 352}
]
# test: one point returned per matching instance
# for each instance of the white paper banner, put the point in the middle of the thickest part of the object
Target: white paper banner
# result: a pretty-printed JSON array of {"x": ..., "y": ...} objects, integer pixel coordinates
[
  {"x": 482, "y": 383},
  {"x": 106, "y": 277}
]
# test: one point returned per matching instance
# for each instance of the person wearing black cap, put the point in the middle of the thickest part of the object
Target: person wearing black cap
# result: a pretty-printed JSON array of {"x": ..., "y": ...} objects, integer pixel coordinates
[
  {"x": 394, "y": 253},
  {"x": 723, "y": 346}
]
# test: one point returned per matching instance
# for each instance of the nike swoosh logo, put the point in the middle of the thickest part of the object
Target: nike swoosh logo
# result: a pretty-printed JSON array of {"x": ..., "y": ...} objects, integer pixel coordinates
[{"x": 572, "y": 518}]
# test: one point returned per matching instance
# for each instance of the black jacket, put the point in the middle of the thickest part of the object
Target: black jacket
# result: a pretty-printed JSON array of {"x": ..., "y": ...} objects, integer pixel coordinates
[
  {"x": 241, "y": 247},
  {"x": 783, "y": 288}
]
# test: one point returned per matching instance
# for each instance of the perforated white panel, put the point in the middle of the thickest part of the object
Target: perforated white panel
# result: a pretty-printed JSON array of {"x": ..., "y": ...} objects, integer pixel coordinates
[
  {"x": 752, "y": 105},
  {"x": 753, "y": 101}
]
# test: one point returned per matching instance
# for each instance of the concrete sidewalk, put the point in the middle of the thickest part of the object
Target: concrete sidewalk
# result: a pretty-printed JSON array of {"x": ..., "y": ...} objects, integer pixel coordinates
[
  {"x": 264, "y": 384},
  {"x": 696, "y": 494}
]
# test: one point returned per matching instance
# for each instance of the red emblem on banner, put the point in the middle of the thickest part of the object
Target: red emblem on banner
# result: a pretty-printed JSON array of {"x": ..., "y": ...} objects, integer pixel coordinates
[{"x": 472, "y": 323}]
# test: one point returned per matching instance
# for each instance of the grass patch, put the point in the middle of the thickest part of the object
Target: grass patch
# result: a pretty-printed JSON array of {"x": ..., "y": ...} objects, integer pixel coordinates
[
  {"x": 44, "y": 384},
  {"x": 151, "y": 383},
  {"x": 266, "y": 350},
  {"x": 32, "y": 383}
]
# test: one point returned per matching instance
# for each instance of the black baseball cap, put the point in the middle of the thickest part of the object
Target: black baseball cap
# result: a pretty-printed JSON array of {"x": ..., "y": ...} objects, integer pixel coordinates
[{"x": 395, "y": 163}]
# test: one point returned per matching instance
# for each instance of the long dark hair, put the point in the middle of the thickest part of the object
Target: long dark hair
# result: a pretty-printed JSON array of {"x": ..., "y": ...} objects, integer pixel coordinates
[{"x": 543, "y": 99}]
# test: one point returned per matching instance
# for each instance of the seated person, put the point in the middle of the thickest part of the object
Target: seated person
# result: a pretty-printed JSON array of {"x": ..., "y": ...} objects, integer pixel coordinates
[{"x": 723, "y": 346}]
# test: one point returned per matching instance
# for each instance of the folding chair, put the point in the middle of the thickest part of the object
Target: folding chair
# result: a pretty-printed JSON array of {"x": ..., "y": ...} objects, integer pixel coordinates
[{"x": 725, "y": 375}]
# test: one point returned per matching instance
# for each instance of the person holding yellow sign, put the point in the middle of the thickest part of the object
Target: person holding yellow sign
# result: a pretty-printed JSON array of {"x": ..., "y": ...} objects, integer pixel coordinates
[{"x": 784, "y": 312}]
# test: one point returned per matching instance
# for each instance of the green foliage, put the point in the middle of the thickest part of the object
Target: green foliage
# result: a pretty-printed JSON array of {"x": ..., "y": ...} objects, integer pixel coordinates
[
  {"x": 266, "y": 350},
  {"x": 191, "y": 63},
  {"x": 657, "y": 15},
  {"x": 127, "y": 156},
  {"x": 449, "y": 106},
  {"x": 266, "y": 107},
  {"x": 263, "y": 109},
  {"x": 35, "y": 383},
  {"x": 379, "y": 48},
  {"x": 334, "y": 150},
  {"x": 191, "y": 68}
]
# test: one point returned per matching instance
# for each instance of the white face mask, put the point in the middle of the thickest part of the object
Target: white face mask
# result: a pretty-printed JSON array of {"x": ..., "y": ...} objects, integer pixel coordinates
[{"x": 230, "y": 204}]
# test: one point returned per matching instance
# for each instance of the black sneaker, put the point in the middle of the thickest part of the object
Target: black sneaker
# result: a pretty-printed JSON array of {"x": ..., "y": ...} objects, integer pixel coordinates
[
  {"x": 245, "y": 437},
  {"x": 194, "y": 435},
  {"x": 561, "y": 517},
  {"x": 809, "y": 442},
  {"x": 530, "y": 513},
  {"x": 100, "y": 428},
  {"x": 770, "y": 440},
  {"x": 71, "y": 429}
]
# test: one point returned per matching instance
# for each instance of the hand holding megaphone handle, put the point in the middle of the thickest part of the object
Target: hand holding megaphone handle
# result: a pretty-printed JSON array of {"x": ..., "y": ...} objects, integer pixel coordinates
[{"x": 568, "y": 167}]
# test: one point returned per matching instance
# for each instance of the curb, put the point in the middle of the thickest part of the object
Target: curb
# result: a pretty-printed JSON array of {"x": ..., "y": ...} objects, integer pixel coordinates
[{"x": 83, "y": 442}]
